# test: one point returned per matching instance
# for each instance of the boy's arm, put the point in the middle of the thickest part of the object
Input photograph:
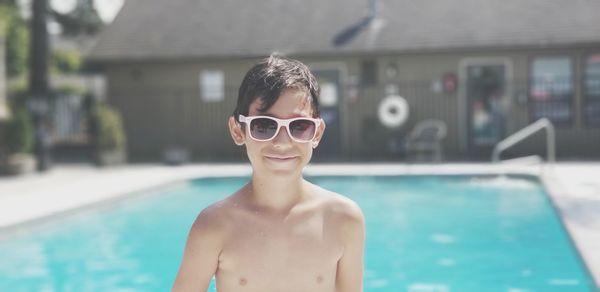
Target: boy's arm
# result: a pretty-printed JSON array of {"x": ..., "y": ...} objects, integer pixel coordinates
[
  {"x": 201, "y": 254},
  {"x": 350, "y": 266}
]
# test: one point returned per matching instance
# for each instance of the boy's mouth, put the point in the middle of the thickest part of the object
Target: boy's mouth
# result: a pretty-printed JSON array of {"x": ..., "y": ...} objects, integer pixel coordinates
[{"x": 280, "y": 158}]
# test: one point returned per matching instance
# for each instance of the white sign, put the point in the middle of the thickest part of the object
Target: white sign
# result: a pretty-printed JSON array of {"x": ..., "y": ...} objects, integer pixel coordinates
[
  {"x": 212, "y": 85},
  {"x": 329, "y": 94}
]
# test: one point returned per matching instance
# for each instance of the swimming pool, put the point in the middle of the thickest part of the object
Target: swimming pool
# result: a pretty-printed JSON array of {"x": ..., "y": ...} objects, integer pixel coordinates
[{"x": 424, "y": 233}]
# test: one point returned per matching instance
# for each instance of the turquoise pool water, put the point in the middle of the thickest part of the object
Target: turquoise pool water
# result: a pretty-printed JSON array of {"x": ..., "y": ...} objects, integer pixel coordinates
[{"x": 424, "y": 233}]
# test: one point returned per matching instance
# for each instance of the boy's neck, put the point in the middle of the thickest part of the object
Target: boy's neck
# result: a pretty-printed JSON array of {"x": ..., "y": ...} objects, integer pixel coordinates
[{"x": 276, "y": 193}]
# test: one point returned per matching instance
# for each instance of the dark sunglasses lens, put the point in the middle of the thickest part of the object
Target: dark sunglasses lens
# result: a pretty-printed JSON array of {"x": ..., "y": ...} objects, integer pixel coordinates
[
  {"x": 303, "y": 130},
  {"x": 263, "y": 128}
]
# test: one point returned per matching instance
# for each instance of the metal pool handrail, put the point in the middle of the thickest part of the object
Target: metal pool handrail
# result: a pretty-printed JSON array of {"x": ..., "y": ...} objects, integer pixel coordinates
[{"x": 526, "y": 132}]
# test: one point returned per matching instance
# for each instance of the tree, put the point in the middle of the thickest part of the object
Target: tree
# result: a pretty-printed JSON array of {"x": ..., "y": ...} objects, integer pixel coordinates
[
  {"x": 39, "y": 50},
  {"x": 12, "y": 3},
  {"x": 83, "y": 20},
  {"x": 16, "y": 34}
]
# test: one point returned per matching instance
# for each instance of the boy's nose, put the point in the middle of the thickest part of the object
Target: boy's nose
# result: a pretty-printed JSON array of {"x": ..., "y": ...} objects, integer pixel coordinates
[{"x": 282, "y": 137}]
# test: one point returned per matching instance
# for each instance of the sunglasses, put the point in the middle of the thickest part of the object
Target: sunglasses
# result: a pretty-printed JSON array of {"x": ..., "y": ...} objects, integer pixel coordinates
[{"x": 265, "y": 128}]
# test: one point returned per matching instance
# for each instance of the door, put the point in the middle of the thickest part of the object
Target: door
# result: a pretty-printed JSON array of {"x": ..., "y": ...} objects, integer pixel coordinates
[
  {"x": 486, "y": 114},
  {"x": 329, "y": 104}
]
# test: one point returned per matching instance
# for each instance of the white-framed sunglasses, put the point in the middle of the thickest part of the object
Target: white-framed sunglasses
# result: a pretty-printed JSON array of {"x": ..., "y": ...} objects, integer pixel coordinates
[{"x": 265, "y": 128}]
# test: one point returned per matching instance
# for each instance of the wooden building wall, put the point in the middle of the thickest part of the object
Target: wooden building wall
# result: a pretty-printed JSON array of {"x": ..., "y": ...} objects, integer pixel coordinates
[{"x": 162, "y": 106}]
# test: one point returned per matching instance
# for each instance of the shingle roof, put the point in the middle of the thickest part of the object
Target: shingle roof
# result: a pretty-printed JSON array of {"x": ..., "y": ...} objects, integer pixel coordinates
[{"x": 159, "y": 29}]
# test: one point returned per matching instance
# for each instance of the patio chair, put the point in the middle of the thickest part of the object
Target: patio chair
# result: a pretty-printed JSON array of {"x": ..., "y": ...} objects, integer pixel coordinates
[{"x": 425, "y": 141}]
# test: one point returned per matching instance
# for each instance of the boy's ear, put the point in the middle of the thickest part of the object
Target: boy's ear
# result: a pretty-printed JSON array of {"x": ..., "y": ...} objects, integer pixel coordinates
[
  {"x": 319, "y": 135},
  {"x": 236, "y": 131}
]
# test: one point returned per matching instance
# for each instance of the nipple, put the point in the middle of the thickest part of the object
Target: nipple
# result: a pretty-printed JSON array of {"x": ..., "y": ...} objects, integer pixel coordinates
[{"x": 319, "y": 279}]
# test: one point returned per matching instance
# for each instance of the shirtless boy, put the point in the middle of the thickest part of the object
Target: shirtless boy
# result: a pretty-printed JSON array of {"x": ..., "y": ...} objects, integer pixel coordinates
[{"x": 279, "y": 232}]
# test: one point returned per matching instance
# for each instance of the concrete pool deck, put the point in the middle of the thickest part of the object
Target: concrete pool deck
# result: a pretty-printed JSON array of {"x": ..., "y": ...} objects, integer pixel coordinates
[{"x": 573, "y": 187}]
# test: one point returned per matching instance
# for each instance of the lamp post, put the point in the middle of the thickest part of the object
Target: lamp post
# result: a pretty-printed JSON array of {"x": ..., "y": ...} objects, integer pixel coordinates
[{"x": 38, "y": 82}]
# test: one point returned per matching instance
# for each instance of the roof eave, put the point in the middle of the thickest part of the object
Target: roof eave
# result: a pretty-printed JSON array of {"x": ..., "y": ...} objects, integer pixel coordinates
[{"x": 106, "y": 60}]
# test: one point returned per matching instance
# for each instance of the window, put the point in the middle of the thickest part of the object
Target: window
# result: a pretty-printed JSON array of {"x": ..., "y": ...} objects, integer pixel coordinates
[
  {"x": 591, "y": 90},
  {"x": 212, "y": 87},
  {"x": 551, "y": 89}
]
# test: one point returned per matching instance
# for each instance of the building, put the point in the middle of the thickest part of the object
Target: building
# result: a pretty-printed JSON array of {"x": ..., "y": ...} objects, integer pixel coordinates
[{"x": 485, "y": 68}]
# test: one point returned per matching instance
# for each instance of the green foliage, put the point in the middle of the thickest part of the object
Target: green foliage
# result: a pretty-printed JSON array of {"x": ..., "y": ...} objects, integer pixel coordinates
[
  {"x": 71, "y": 89},
  {"x": 19, "y": 134},
  {"x": 84, "y": 19},
  {"x": 3, "y": 21},
  {"x": 64, "y": 61},
  {"x": 110, "y": 131},
  {"x": 17, "y": 50},
  {"x": 16, "y": 34},
  {"x": 17, "y": 87}
]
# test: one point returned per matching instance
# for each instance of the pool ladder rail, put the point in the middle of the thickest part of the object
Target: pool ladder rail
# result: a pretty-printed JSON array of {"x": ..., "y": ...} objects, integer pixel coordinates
[{"x": 510, "y": 141}]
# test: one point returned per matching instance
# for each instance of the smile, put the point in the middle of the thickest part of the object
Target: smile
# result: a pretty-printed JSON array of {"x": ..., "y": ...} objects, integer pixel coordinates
[{"x": 280, "y": 158}]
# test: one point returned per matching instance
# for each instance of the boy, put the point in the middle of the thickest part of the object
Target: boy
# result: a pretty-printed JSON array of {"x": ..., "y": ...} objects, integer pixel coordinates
[{"x": 279, "y": 232}]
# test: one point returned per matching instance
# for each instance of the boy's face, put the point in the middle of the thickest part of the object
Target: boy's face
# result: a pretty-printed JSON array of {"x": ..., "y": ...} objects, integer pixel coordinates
[{"x": 281, "y": 155}]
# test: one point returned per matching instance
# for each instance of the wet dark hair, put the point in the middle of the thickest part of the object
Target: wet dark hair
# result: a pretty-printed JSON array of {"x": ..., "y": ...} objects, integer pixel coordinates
[{"x": 269, "y": 78}]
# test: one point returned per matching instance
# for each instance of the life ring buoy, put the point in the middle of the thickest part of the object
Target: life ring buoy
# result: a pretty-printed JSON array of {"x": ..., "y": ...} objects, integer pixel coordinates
[{"x": 393, "y": 111}]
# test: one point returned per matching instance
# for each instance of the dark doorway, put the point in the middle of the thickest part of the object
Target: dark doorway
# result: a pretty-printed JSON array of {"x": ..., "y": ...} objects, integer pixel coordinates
[
  {"x": 330, "y": 146},
  {"x": 486, "y": 117}
]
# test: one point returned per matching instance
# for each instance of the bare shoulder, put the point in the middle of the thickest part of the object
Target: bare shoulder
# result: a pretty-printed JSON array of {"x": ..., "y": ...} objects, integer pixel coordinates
[
  {"x": 344, "y": 217},
  {"x": 212, "y": 221},
  {"x": 341, "y": 209}
]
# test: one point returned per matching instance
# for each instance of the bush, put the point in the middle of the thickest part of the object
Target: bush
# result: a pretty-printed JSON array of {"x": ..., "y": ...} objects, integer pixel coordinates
[
  {"x": 109, "y": 128},
  {"x": 19, "y": 133},
  {"x": 16, "y": 33},
  {"x": 64, "y": 61},
  {"x": 70, "y": 89},
  {"x": 17, "y": 87}
]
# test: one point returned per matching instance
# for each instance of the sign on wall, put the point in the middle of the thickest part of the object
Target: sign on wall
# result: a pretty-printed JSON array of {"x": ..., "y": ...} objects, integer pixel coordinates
[{"x": 212, "y": 85}]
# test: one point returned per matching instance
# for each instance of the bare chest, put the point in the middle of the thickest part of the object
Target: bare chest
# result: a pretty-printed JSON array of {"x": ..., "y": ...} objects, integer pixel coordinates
[{"x": 295, "y": 255}]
